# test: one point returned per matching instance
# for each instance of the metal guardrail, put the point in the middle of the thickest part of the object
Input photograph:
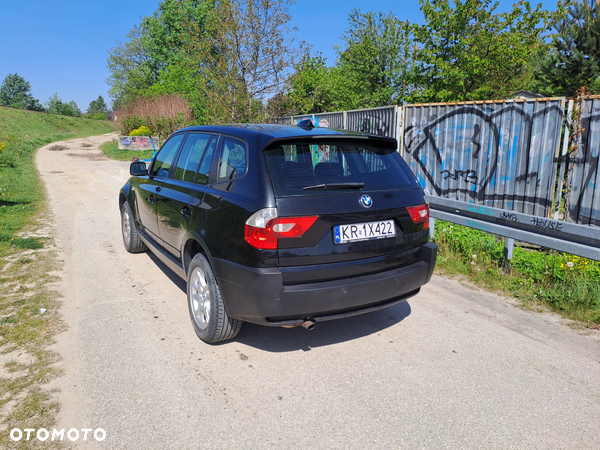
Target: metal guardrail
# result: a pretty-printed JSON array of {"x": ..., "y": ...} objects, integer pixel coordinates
[{"x": 567, "y": 237}]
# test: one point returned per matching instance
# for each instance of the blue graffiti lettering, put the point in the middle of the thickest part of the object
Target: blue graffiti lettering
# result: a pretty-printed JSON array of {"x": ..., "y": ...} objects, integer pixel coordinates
[
  {"x": 481, "y": 210},
  {"x": 478, "y": 225}
]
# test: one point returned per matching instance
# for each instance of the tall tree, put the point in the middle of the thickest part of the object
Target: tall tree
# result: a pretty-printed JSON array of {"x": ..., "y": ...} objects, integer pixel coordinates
[
  {"x": 309, "y": 89},
  {"x": 97, "y": 106},
  {"x": 373, "y": 69},
  {"x": 574, "y": 58},
  {"x": 130, "y": 66},
  {"x": 169, "y": 31},
  {"x": 225, "y": 57},
  {"x": 246, "y": 55},
  {"x": 158, "y": 56},
  {"x": 469, "y": 52},
  {"x": 377, "y": 60},
  {"x": 16, "y": 92}
]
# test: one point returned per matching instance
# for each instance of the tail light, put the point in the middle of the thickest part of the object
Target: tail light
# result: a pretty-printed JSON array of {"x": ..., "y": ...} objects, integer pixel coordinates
[
  {"x": 419, "y": 214},
  {"x": 264, "y": 228}
]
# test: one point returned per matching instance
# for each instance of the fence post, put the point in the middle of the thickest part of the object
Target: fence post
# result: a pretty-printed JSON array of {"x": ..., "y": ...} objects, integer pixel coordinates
[
  {"x": 399, "y": 128},
  {"x": 563, "y": 163},
  {"x": 508, "y": 254},
  {"x": 431, "y": 227}
]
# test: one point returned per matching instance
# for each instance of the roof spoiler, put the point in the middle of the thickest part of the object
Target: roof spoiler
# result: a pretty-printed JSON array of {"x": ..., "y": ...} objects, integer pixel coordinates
[{"x": 381, "y": 141}]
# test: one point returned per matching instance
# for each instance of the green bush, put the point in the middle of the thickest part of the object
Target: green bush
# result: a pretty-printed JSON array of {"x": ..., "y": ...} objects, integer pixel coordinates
[
  {"x": 162, "y": 126},
  {"x": 131, "y": 123},
  {"x": 97, "y": 116},
  {"x": 141, "y": 131}
]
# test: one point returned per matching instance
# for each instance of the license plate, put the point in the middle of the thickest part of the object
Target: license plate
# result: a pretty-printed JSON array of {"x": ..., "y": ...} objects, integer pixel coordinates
[{"x": 364, "y": 231}]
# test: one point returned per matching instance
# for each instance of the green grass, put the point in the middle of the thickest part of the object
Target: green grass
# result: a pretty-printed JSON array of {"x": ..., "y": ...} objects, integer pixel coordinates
[
  {"x": 21, "y": 191},
  {"x": 29, "y": 317},
  {"x": 111, "y": 150},
  {"x": 561, "y": 282}
]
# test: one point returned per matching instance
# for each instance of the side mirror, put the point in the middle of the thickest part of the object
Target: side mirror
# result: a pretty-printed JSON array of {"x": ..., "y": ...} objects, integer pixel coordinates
[{"x": 138, "y": 169}]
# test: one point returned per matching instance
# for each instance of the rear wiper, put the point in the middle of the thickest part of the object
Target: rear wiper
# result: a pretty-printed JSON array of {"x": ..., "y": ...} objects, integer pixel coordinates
[{"x": 352, "y": 185}]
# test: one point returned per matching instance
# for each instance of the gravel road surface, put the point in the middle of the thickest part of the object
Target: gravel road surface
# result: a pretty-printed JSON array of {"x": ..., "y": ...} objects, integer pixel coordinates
[{"x": 452, "y": 368}]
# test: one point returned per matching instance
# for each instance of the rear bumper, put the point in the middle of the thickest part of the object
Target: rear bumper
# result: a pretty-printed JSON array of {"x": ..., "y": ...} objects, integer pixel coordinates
[{"x": 259, "y": 295}]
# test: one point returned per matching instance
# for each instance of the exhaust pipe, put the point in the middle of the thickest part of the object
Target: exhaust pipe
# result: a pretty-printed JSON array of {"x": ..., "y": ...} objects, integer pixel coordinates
[{"x": 308, "y": 324}]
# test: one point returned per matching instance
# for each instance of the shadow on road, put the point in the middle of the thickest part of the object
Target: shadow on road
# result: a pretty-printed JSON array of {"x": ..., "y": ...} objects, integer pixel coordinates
[
  {"x": 176, "y": 279},
  {"x": 325, "y": 333},
  {"x": 276, "y": 339}
]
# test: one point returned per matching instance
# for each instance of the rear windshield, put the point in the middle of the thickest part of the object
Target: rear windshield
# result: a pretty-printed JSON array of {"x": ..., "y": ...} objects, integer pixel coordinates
[{"x": 316, "y": 169}]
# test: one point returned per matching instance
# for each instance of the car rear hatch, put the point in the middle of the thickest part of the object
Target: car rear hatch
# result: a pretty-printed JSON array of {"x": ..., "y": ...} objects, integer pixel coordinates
[{"x": 368, "y": 210}]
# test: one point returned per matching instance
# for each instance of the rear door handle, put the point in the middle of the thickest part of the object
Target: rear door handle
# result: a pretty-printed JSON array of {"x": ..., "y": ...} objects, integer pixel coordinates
[{"x": 186, "y": 212}]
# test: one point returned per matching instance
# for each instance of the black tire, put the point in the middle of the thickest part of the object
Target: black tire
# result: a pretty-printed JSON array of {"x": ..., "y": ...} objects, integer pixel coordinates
[
  {"x": 129, "y": 231},
  {"x": 209, "y": 318}
]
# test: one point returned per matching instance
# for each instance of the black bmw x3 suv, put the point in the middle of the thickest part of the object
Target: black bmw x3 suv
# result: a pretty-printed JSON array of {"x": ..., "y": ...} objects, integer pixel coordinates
[{"x": 280, "y": 225}]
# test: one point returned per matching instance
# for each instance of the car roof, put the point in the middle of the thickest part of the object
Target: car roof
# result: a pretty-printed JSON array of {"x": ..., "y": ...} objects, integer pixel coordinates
[{"x": 271, "y": 134}]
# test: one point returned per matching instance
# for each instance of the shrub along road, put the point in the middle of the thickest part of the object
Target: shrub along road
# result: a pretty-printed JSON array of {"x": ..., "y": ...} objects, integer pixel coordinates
[{"x": 452, "y": 368}]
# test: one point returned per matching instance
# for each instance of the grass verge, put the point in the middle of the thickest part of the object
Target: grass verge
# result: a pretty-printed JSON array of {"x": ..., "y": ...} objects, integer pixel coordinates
[
  {"x": 561, "y": 282},
  {"x": 29, "y": 317},
  {"x": 111, "y": 150}
]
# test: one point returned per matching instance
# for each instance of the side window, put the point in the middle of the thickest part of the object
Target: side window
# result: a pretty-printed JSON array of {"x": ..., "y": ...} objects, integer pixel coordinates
[
  {"x": 233, "y": 160},
  {"x": 190, "y": 157},
  {"x": 166, "y": 155},
  {"x": 204, "y": 170}
]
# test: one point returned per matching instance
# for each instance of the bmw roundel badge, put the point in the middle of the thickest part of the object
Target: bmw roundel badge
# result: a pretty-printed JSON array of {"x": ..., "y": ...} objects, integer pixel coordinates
[{"x": 366, "y": 201}]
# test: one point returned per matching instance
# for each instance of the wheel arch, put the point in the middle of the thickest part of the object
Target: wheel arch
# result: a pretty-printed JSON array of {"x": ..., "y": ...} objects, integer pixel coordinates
[
  {"x": 194, "y": 244},
  {"x": 122, "y": 200},
  {"x": 124, "y": 195}
]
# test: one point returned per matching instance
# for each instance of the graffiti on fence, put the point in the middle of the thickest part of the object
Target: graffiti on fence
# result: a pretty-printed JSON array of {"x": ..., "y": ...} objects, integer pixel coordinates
[
  {"x": 547, "y": 224},
  {"x": 138, "y": 143},
  {"x": 493, "y": 154},
  {"x": 379, "y": 121},
  {"x": 501, "y": 155},
  {"x": 373, "y": 125},
  {"x": 470, "y": 176},
  {"x": 481, "y": 210},
  {"x": 330, "y": 120},
  {"x": 478, "y": 225},
  {"x": 325, "y": 120},
  {"x": 511, "y": 217},
  {"x": 375, "y": 121}
]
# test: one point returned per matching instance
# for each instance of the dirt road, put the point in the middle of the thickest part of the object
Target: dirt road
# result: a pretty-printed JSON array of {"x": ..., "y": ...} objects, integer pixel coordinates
[{"x": 453, "y": 368}]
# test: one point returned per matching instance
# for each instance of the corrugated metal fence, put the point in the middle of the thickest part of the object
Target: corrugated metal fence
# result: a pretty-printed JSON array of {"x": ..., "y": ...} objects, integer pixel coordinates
[
  {"x": 381, "y": 121},
  {"x": 499, "y": 154}
]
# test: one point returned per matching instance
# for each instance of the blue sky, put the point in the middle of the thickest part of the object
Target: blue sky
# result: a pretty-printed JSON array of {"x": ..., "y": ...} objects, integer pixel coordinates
[{"x": 62, "y": 46}]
